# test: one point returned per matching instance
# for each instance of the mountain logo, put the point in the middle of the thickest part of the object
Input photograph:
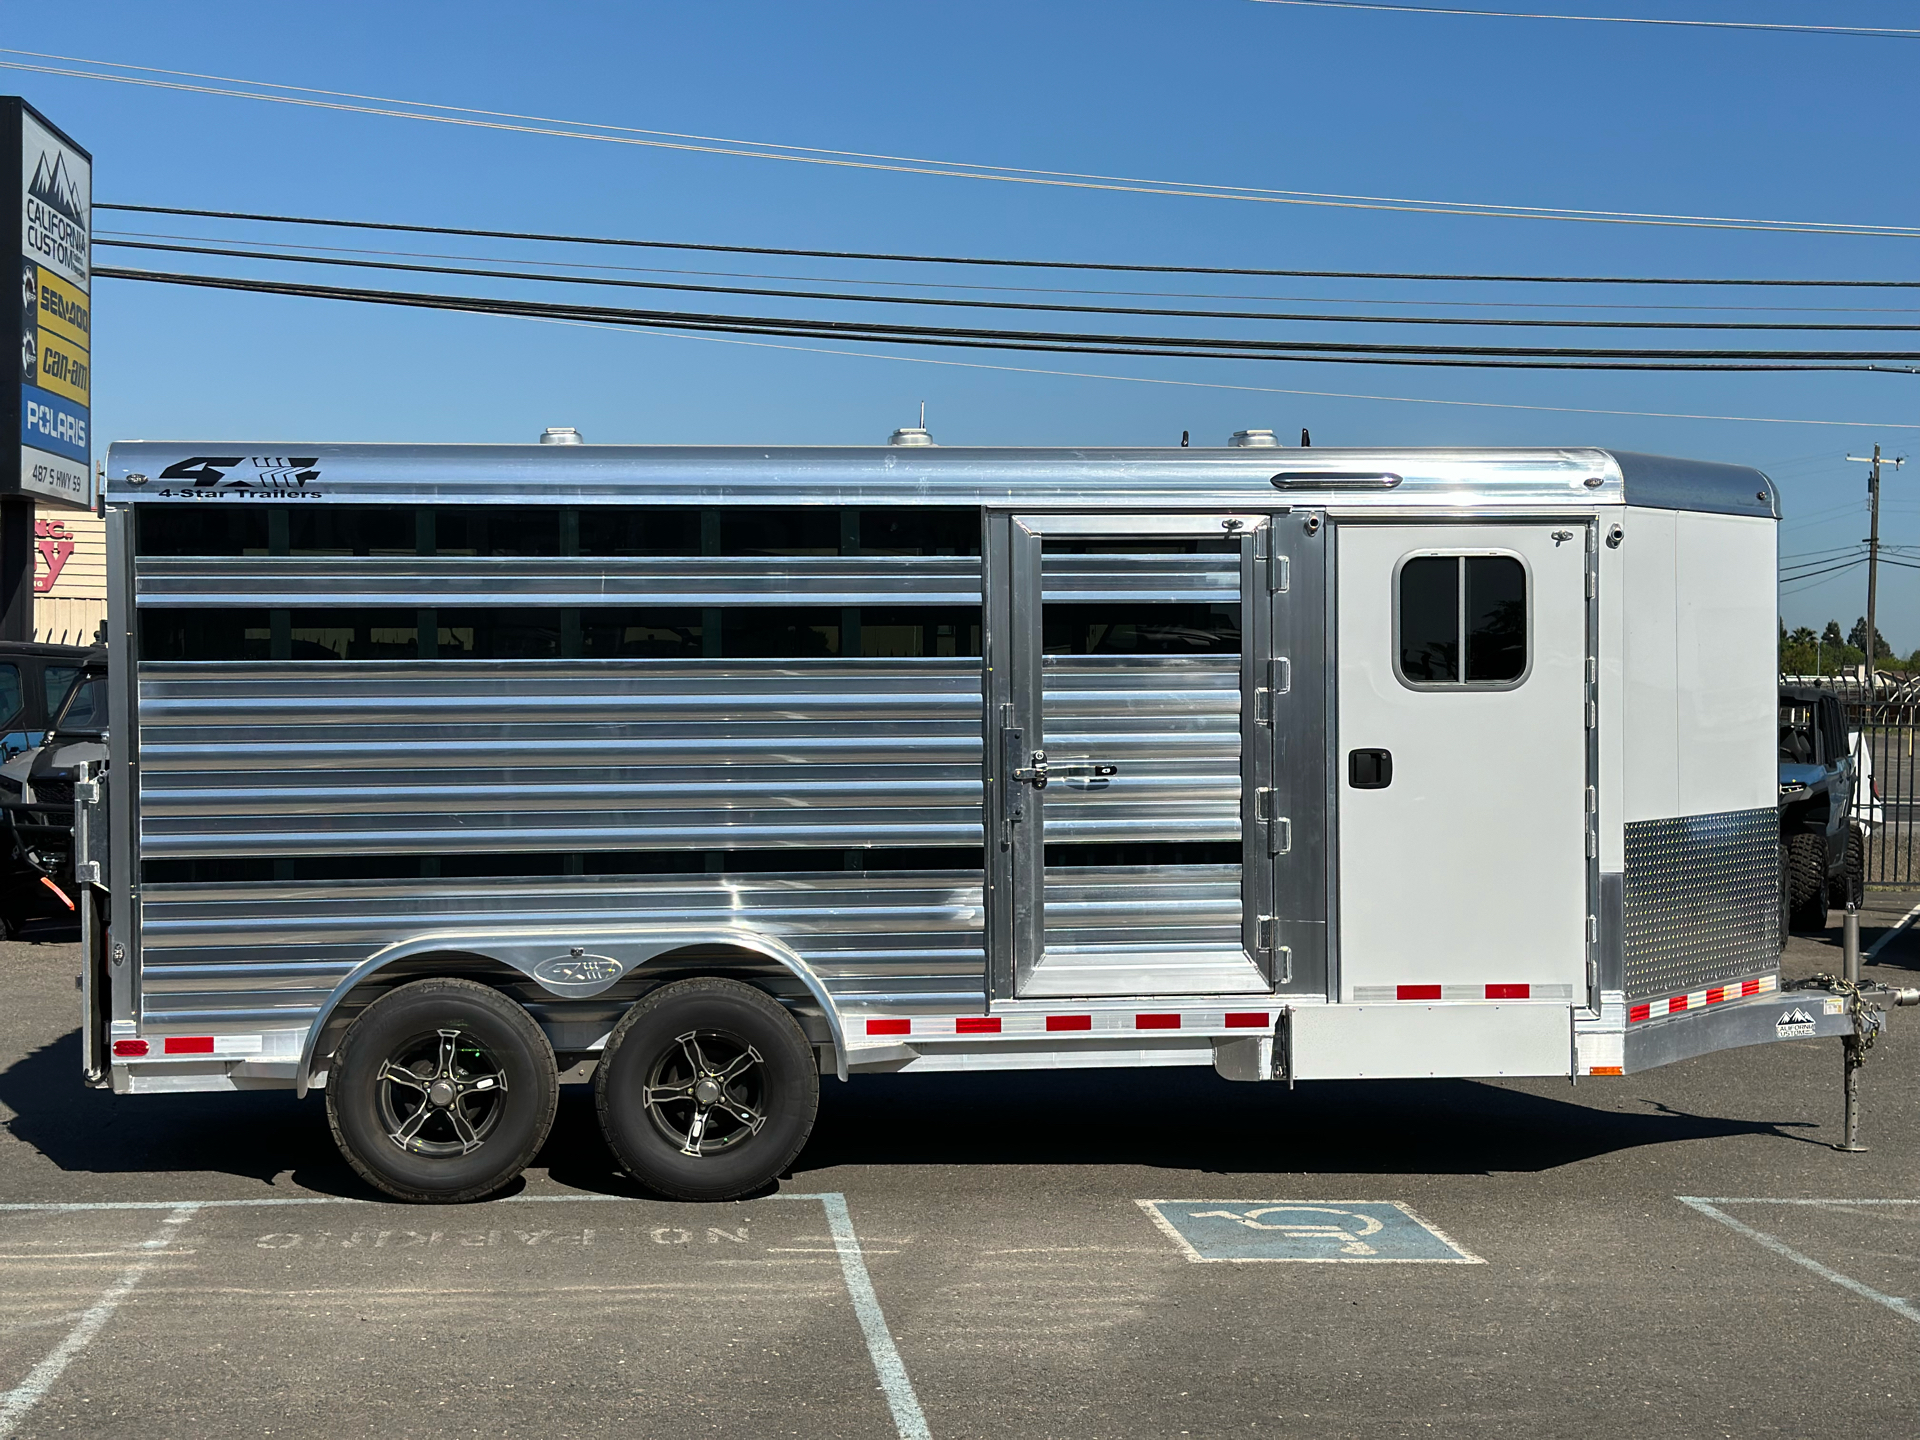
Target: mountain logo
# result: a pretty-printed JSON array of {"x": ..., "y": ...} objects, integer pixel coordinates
[
  {"x": 1795, "y": 1024},
  {"x": 53, "y": 187}
]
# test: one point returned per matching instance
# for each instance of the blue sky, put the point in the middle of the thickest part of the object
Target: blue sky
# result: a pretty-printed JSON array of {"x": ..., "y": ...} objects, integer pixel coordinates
[{"x": 1224, "y": 91}]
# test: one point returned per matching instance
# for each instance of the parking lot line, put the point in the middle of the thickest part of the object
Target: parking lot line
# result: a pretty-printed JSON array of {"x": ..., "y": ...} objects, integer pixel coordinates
[
  {"x": 1895, "y": 933},
  {"x": 15, "y": 1403},
  {"x": 1710, "y": 1208},
  {"x": 888, "y": 1367}
]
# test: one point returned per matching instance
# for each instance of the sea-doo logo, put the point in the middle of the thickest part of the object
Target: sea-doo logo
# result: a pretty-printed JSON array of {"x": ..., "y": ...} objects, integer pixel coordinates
[{"x": 263, "y": 474}]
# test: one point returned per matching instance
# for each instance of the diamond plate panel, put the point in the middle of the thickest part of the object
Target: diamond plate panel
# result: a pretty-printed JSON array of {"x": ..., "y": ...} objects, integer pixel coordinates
[{"x": 1702, "y": 900}]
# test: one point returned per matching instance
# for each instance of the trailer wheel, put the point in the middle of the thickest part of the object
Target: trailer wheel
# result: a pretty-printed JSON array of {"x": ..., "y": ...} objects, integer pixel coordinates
[
  {"x": 707, "y": 1090},
  {"x": 442, "y": 1091},
  {"x": 1807, "y": 878},
  {"x": 1851, "y": 886}
]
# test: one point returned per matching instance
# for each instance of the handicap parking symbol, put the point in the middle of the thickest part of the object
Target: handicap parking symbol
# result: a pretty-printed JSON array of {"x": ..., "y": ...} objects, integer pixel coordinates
[{"x": 1313, "y": 1231}]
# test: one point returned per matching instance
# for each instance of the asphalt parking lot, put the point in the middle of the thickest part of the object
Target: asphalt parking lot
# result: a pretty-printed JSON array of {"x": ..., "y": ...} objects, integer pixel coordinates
[{"x": 970, "y": 1256}]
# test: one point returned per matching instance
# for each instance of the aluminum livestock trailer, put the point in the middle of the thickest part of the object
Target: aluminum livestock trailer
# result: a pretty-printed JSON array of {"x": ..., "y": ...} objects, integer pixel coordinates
[{"x": 437, "y": 770}]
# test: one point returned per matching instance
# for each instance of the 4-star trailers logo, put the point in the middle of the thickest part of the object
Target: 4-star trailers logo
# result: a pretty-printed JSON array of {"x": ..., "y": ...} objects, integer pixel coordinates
[{"x": 233, "y": 477}]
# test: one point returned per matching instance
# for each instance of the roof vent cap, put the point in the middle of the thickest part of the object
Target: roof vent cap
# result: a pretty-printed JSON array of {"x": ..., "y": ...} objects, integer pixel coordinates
[
  {"x": 560, "y": 435},
  {"x": 910, "y": 435},
  {"x": 1254, "y": 440}
]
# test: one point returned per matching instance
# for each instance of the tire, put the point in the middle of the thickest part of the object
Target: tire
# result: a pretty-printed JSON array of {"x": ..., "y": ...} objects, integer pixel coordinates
[
  {"x": 707, "y": 1090},
  {"x": 1786, "y": 895},
  {"x": 1807, "y": 880},
  {"x": 475, "y": 1107},
  {"x": 1850, "y": 886}
]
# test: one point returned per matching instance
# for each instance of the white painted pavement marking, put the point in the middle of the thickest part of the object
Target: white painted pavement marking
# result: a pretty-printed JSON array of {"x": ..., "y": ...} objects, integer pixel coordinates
[
  {"x": 907, "y": 1418},
  {"x": 15, "y": 1403},
  {"x": 1891, "y": 935},
  {"x": 888, "y": 1367},
  {"x": 1904, "y": 1308}
]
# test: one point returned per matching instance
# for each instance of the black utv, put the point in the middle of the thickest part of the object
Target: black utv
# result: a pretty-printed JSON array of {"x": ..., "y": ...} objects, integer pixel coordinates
[{"x": 1823, "y": 848}]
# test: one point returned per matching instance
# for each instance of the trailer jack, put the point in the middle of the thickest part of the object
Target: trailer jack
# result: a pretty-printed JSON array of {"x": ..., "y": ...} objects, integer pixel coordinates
[{"x": 1864, "y": 1005}]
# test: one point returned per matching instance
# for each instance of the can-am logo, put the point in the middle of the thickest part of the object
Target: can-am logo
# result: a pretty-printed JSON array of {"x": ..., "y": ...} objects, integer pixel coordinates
[
  {"x": 256, "y": 472},
  {"x": 1794, "y": 1024}
]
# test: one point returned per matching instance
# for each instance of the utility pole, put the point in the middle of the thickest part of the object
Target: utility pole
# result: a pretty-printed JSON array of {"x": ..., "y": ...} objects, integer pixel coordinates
[{"x": 1873, "y": 553}]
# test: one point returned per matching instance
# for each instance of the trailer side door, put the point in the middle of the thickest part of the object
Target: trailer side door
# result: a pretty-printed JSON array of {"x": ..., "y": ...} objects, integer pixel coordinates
[{"x": 1463, "y": 714}]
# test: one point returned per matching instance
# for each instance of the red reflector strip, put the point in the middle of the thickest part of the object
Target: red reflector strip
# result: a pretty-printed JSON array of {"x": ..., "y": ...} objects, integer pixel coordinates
[
  {"x": 189, "y": 1045},
  {"x": 1640, "y": 1012},
  {"x": 1749, "y": 987},
  {"x": 875, "y": 1027},
  {"x": 1156, "y": 1022},
  {"x": 1716, "y": 994},
  {"x": 1676, "y": 1004},
  {"x": 1246, "y": 1020},
  {"x": 1417, "y": 992},
  {"x": 129, "y": 1049},
  {"x": 977, "y": 1025},
  {"x": 1509, "y": 992},
  {"x": 1069, "y": 1022}
]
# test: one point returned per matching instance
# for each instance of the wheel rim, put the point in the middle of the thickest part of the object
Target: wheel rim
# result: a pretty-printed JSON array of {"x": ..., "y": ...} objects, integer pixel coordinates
[
  {"x": 441, "y": 1094},
  {"x": 707, "y": 1092}
]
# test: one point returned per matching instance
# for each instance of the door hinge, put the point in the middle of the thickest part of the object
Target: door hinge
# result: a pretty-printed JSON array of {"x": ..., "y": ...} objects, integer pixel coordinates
[
  {"x": 1593, "y": 585},
  {"x": 1266, "y": 804},
  {"x": 1593, "y": 715},
  {"x": 1279, "y": 574}
]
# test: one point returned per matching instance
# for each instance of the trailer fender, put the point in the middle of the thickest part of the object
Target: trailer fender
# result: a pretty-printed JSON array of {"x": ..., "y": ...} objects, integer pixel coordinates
[{"x": 574, "y": 963}]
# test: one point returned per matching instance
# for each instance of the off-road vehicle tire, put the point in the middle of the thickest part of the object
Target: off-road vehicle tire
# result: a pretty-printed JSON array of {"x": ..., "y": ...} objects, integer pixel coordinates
[
  {"x": 442, "y": 1091},
  {"x": 1850, "y": 887},
  {"x": 707, "y": 1090},
  {"x": 1807, "y": 880},
  {"x": 1786, "y": 894}
]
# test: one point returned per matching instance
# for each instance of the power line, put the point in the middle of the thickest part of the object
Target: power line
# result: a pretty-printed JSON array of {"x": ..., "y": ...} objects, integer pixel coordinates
[
  {"x": 1185, "y": 347},
  {"x": 500, "y": 120},
  {"x": 585, "y": 265},
  {"x": 1874, "y": 32},
  {"x": 1051, "y": 307},
  {"x": 1100, "y": 265},
  {"x": 888, "y": 357}
]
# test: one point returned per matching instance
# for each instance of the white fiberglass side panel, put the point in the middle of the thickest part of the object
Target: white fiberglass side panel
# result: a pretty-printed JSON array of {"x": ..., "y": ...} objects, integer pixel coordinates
[
  {"x": 1467, "y": 868},
  {"x": 1612, "y": 692},
  {"x": 1728, "y": 677},
  {"x": 1652, "y": 776}
]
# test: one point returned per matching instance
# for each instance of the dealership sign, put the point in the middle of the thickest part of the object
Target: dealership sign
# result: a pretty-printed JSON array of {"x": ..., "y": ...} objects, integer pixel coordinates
[{"x": 54, "y": 334}]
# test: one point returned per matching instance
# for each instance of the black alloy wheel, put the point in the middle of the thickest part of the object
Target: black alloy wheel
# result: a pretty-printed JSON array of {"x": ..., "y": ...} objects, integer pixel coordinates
[
  {"x": 707, "y": 1090},
  {"x": 442, "y": 1090}
]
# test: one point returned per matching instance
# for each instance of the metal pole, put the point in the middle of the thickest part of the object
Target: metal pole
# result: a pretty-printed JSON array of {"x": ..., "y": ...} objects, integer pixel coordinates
[
  {"x": 1852, "y": 1053},
  {"x": 1873, "y": 571}
]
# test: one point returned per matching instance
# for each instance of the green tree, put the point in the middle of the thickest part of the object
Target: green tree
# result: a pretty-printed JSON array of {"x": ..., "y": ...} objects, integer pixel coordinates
[{"x": 1858, "y": 639}]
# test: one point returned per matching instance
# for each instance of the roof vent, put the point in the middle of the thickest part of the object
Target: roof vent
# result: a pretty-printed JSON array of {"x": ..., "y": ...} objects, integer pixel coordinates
[
  {"x": 1254, "y": 440},
  {"x": 560, "y": 435},
  {"x": 913, "y": 434}
]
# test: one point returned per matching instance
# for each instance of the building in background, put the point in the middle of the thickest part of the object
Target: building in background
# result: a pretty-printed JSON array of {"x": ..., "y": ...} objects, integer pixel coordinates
[{"x": 69, "y": 575}]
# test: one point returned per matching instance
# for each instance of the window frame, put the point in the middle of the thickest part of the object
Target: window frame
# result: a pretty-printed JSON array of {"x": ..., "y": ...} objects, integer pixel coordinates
[{"x": 1463, "y": 555}]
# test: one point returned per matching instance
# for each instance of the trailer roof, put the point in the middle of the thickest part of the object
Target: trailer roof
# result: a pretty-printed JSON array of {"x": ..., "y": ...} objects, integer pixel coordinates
[{"x": 163, "y": 472}]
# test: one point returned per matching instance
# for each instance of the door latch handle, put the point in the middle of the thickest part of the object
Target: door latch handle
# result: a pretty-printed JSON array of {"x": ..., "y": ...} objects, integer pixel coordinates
[
  {"x": 1086, "y": 774},
  {"x": 1369, "y": 769},
  {"x": 1034, "y": 773}
]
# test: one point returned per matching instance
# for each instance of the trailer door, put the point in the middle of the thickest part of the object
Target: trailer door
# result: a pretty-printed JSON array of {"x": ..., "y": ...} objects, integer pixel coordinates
[
  {"x": 1131, "y": 684},
  {"x": 1463, "y": 761}
]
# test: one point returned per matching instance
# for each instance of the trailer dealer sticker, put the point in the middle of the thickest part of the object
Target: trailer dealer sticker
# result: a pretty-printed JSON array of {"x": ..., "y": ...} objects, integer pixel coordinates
[{"x": 1310, "y": 1231}]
